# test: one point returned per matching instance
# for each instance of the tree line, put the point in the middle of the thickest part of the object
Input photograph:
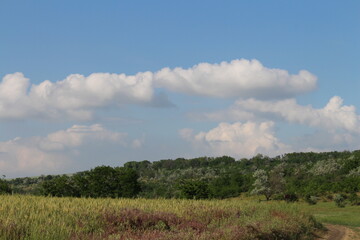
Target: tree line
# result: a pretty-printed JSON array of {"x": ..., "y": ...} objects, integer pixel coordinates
[
  {"x": 102, "y": 181},
  {"x": 289, "y": 176}
]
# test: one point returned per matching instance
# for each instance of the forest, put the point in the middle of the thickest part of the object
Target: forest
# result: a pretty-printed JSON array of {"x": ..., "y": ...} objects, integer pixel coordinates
[{"x": 287, "y": 177}]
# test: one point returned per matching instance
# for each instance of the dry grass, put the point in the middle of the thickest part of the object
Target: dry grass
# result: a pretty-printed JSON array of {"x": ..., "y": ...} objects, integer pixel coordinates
[{"x": 30, "y": 217}]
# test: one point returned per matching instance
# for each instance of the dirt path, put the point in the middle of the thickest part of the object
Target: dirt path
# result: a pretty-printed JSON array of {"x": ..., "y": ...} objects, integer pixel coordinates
[{"x": 337, "y": 232}]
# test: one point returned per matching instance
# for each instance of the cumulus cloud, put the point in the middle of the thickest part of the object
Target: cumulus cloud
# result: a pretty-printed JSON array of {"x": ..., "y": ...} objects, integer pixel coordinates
[
  {"x": 21, "y": 156},
  {"x": 74, "y": 97},
  {"x": 54, "y": 152},
  {"x": 78, "y": 96},
  {"x": 333, "y": 127},
  {"x": 79, "y": 135},
  {"x": 237, "y": 139},
  {"x": 238, "y": 78},
  {"x": 334, "y": 116}
]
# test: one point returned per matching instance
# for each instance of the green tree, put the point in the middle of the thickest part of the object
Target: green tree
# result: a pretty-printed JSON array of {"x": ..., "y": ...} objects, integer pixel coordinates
[
  {"x": 102, "y": 181},
  {"x": 277, "y": 180},
  {"x": 4, "y": 187},
  {"x": 105, "y": 181},
  {"x": 61, "y": 186},
  {"x": 228, "y": 185},
  {"x": 128, "y": 180},
  {"x": 194, "y": 189},
  {"x": 262, "y": 184}
]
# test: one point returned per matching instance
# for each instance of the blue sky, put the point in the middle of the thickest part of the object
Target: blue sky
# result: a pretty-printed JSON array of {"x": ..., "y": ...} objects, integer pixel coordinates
[{"x": 168, "y": 79}]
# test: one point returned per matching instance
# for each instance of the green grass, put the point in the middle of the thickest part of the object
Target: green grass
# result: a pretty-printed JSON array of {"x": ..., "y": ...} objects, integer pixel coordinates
[{"x": 327, "y": 212}]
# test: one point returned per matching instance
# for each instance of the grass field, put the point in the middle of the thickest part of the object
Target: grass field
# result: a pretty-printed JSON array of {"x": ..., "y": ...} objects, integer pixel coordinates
[
  {"x": 30, "y": 217},
  {"x": 327, "y": 212}
]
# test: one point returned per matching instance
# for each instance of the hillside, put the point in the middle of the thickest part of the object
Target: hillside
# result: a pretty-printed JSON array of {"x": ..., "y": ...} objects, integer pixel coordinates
[{"x": 294, "y": 174}]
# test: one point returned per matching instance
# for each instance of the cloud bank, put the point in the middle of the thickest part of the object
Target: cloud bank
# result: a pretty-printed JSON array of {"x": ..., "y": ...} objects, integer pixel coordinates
[
  {"x": 334, "y": 116},
  {"x": 78, "y": 97},
  {"x": 74, "y": 97},
  {"x": 54, "y": 152},
  {"x": 238, "y": 78},
  {"x": 333, "y": 127},
  {"x": 264, "y": 95}
]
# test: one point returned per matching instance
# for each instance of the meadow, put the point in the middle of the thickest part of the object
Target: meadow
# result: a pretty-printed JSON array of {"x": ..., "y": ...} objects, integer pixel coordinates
[
  {"x": 34, "y": 217},
  {"x": 328, "y": 212}
]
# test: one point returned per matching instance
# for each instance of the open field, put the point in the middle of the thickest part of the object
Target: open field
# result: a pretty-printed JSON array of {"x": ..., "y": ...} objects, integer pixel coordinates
[
  {"x": 327, "y": 212},
  {"x": 30, "y": 217},
  {"x": 334, "y": 218}
]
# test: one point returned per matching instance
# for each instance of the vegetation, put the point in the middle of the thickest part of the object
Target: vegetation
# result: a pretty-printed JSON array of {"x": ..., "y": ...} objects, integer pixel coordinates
[
  {"x": 31, "y": 217},
  {"x": 4, "y": 187},
  {"x": 103, "y": 181},
  {"x": 327, "y": 184},
  {"x": 339, "y": 200},
  {"x": 299, "y": 175},
  {"x": 289, "y": 177},
  {"x": 328, "y": 212},
  {"x": 262, "y": 184}
]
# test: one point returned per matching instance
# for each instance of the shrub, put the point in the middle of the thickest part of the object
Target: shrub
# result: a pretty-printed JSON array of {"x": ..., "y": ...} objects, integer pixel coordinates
[
  {"x": 354, "y": 199},
  {"x": 278, "y": 197},
  {"x": 311, "y": 200},
  {"x": 194, "y": 189},
  {"x": 4, "y": 187},
  {"x": 339, "y": 200},
  {"x": 291, "y": 197}
]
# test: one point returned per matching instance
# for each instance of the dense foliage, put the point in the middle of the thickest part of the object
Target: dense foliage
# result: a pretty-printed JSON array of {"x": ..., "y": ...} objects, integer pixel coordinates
[
  {"x": 101, "y": 181},
  {"x": 289, "y": 176},
  {"x": 286, "y": 177},
  {"x": 4, "y": 187}
]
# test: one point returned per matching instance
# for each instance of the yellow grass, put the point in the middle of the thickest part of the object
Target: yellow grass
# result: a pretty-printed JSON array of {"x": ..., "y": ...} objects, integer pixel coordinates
[{"x": 31, "y": 217}]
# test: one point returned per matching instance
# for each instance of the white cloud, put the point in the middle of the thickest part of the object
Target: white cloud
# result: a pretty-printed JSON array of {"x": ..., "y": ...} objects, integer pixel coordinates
[
  {"x": 54, "y": 152},
  {"x": 78, "y": 96},
  {"x": 74, "y": 97},
  {"x": 25, "y": 157},
  {"x": 335, "y": 126},
  {"x": 238, "y": 78},
  {"x": 237, "y": 139},
  {"x": 334, "y": 116},
  {"x": 78, "y": 135}
]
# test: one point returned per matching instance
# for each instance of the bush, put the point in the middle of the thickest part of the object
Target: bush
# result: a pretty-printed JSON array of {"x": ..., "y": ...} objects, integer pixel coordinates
[
  {"x": 278, "y": 197},
  {"x": 4, "y": 187},
  {"x": 311, "y": 200},
  {"x": 102, "y": 181},
  {"x": 291, "y": 197},
  {"x": 354, "y": 199},
  {"x": 339, "y": 200},
  {"x": 329, "y": 197},
  {"x": 194, "y": 189}
]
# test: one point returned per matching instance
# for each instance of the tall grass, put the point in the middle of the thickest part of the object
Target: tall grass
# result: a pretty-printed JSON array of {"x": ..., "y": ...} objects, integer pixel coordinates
[{"x": 31, "y": 217}]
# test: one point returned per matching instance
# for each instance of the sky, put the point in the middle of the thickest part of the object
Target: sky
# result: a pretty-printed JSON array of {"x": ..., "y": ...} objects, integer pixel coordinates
[{"x": 90, "y": 83}]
